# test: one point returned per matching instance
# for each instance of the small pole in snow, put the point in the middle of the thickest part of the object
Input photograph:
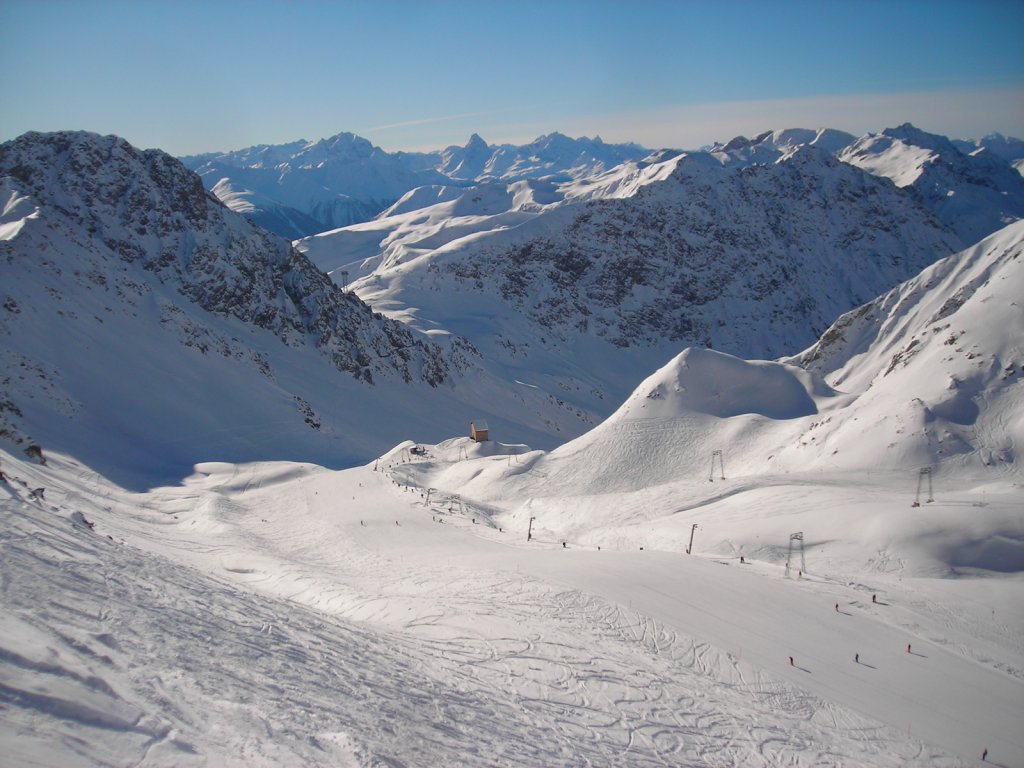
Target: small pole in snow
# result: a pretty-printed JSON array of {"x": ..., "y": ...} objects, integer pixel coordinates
[
  {"x": 689, "y": 547},
  {"x": 529, "y": 531},
  {"x": 791, "y": 661}
]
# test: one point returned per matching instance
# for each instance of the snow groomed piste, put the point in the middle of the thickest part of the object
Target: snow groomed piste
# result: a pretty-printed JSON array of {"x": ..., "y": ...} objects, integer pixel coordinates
[{"x": 272, "y": 613}]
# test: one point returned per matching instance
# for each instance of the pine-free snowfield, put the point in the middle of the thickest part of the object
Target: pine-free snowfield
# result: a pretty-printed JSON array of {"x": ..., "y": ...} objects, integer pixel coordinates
[{"x": 284, "y": 614}]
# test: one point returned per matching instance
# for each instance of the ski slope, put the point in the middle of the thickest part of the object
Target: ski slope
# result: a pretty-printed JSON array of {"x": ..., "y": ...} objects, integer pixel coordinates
[{"x": 278, "y": 613}]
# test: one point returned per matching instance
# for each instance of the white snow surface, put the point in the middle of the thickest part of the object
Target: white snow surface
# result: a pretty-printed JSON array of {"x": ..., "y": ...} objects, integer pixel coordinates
[{"x": 280, "y": 613}]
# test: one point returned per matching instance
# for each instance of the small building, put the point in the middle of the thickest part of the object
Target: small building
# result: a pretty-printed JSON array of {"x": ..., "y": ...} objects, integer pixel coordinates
[{"x": 478, "y": 431}]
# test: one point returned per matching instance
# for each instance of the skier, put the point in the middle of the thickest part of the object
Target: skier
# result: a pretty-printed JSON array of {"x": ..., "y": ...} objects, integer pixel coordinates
[
  {"x": 908, "y": 647},
  {"x": 856, "y": 657},
  {"x": 837, "y": 607},
  {"x": 984, "y": 753},
  {"x": 791, "y": 661},
  {"x": 742, "y": 560},
  {"x": 873, "y": 600}
]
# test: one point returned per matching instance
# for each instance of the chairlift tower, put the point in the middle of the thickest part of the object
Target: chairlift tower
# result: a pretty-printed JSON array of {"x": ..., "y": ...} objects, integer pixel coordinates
[
  {"x": 799, "y": 538},
  {"x": 344, "y": 281},
  {"x": 721, "y": 466},
  {"x": 925, "y": 472}
]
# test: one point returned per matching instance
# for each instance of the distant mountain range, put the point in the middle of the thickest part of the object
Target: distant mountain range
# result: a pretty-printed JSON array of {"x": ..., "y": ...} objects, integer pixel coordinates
[{"x": 303, "y": 188}]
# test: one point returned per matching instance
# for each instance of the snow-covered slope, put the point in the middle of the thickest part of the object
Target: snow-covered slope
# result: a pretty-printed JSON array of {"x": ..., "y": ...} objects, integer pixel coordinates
[
  {"x": 264, "y": 211},
  {"x": 582, "y": 291},
  {"x": 936, "y": 363},
  {"x": 975, "y": 194},
  {"x": 141, "y": 318},
  {"x": 279, "y": 613}
]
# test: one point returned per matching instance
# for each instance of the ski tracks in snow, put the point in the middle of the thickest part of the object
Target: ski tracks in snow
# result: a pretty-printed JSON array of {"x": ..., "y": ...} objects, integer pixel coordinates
[{"x": 233, "y": 635}]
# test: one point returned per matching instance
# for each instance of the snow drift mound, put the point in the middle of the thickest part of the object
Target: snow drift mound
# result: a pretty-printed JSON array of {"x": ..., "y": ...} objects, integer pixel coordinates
[{"x": 717, "y": 384}]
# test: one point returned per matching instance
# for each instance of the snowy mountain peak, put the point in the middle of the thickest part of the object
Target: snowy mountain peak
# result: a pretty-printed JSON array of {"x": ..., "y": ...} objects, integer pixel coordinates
[{"x": 911, "y": 134}]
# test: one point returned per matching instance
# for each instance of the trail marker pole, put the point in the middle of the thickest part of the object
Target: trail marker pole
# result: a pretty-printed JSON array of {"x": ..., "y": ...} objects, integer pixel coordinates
[
  {"x": 529, "y": 531},
  {"x": 689, "y": 548}
]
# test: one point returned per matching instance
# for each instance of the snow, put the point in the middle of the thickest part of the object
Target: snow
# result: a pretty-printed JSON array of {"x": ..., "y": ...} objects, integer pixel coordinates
[
  {"x": 281, "y": 613},
  {"x": 889, "y": 157},
  {"x": 396, "y": 614},
  {"x": 174, "y": 597}
]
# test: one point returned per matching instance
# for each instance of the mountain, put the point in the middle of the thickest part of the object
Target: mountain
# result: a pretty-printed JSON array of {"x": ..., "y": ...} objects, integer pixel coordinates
[
  {"x": 975, "y": 194},
  {"x": 302, "y": 188},
  {"x": 733, "y": 568},
  {"x": 617, "y": 272},
  {"x": 928, "y": 375},
  {"x": 1008, "y": 148},
  {"x": 552, "y": 157},
  {"x": 935, "y": 364},
  {"x": 771, "y": 146},
  {"x": 305, "y": 187},
  {"x": 143, "y": 321}
]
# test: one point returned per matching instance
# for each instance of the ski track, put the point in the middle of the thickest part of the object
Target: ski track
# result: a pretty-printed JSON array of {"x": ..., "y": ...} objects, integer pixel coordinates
[{"x": 215, "y": 631}]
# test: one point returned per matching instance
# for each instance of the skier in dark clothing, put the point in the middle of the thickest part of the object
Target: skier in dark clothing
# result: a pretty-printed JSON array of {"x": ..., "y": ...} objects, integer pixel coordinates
[
  {"x": 791, "y": 661},
  {"x": 856, "y": 657},
  {"x": 984, "y": 753}
]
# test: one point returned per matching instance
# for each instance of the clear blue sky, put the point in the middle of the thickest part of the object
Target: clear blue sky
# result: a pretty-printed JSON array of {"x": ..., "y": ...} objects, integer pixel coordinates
[{"x": 202, "y": 76}]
